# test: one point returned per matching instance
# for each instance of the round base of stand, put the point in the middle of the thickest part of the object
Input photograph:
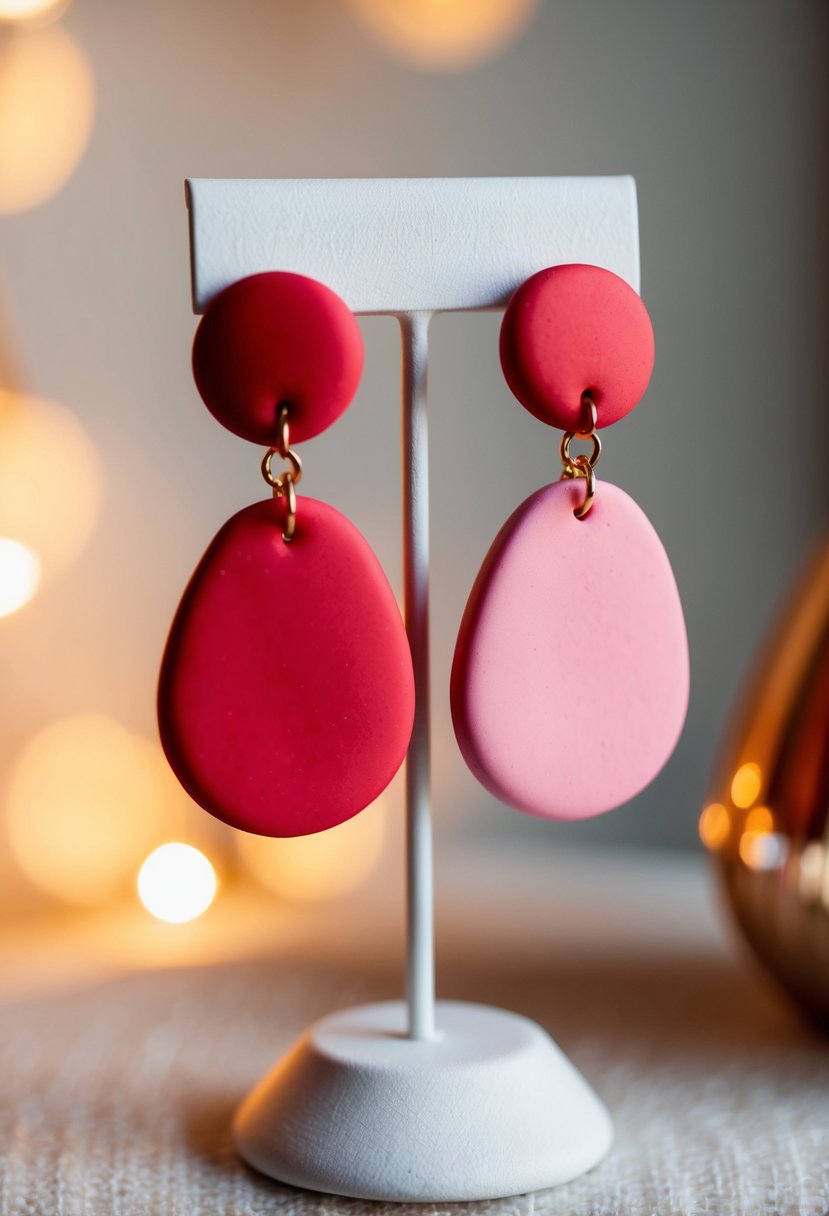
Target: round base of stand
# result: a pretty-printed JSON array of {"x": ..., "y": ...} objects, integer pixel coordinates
[{"x": 489, "y": 1108}]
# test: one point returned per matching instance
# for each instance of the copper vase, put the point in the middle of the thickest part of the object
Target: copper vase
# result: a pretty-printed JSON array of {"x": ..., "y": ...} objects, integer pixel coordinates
[{"x": 766, "y": 822}]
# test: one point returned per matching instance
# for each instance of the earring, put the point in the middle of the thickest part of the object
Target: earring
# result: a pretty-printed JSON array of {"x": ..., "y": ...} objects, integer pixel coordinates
[
  {"x": 570, "y": 678},
  {"x": 286, "y": 695}
]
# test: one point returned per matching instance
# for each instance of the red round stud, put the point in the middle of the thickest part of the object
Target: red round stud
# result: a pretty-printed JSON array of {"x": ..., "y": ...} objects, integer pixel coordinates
[
  {"x": 571, "y": 330},
  {"x": 272, "y": 339}
]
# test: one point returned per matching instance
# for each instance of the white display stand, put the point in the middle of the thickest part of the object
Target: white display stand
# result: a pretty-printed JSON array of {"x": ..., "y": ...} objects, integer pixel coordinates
[{"x": 417, "y": 1101}]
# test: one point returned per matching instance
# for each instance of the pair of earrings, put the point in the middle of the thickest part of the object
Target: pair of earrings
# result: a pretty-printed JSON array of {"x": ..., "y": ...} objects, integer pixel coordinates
[{"x": 286, "y": 696}]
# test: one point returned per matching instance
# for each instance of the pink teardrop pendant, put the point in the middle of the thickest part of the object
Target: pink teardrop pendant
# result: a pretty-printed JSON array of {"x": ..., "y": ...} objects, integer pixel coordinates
[
  {"x": 286, "y": 696},
  {"x": 570, "y": 679}
]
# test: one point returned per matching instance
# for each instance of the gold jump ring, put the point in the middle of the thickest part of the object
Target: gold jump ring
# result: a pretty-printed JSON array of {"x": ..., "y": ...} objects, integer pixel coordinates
[
  {"x": 583, "y": 465},
  {"x": 571, "y": 464},
  {"x": 284, "y": 483},
  {"x": 586, "y": 471},
  {"x": 295, "y": 471},
  {"x": 288, "y": 492}
]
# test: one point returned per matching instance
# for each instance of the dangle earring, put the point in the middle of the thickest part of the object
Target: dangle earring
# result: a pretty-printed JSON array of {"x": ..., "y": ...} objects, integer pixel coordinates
[
  {"x": 286, "y": 695},
  {"x": 570, "y": 678}
]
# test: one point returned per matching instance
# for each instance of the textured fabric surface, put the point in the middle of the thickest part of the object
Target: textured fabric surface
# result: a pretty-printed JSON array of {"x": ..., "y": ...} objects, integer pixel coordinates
[{"x": 117, "y": 1096}]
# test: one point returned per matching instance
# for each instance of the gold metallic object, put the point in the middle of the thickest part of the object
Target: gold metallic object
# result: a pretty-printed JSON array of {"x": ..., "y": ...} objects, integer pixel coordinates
[
  {"x": 582, "y": 465},
  {"x": 767, "y": 822},
  {"x": 589, "y": 416},
  {"x": 289, "y": 493},
  {"x": 294, "y": 472},
  {"x": 284, "y": 484}
]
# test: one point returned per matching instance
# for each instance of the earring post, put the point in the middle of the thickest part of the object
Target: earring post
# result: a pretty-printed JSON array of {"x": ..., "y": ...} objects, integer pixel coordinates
[{"x": 420, "y": 933}]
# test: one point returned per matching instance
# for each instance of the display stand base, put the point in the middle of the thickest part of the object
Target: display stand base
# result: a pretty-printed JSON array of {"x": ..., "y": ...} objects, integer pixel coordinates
[{"x": 489, "y": 1108}]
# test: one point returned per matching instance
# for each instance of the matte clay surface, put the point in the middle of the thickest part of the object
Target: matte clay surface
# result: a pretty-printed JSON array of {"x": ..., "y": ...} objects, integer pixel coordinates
[
  {"x": 570, "y": 679},
  {"x": 489, "y": 1107},
  {"x": 286, "y": 696},
  {"x": 277, "y": 339},
  {"x": 571, "y": 330}
]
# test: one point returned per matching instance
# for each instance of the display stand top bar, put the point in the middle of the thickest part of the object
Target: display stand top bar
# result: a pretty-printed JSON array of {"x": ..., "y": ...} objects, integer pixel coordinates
[{"x": 402, "y": 245}]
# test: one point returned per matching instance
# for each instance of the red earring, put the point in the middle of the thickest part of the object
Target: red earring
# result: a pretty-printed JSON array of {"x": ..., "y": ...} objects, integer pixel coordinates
[
  {"x": 286, "y": 695},
  {"x": 570, "y": 679}
]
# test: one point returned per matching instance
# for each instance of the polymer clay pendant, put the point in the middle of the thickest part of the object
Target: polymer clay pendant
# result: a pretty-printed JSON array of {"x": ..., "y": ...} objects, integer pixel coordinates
[
  {"x": 286, "y": 694},
  {"x": 285, "y": 697},
  {"x": 570, "y": 678}
]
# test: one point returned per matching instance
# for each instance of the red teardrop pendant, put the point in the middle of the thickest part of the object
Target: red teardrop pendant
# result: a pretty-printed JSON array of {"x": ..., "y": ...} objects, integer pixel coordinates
[{"x": 286, "y": 696}]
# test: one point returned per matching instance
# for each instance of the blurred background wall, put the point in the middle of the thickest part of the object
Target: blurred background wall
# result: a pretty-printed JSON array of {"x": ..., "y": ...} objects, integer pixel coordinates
[{"x": 719, "y": 109}]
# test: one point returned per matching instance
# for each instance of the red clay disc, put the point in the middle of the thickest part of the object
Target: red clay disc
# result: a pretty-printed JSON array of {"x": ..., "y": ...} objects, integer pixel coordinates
[
  {"x": 570, "y": 330},
  {"x": 286, "y": 696},
  {"x": 272, "y": 339}
]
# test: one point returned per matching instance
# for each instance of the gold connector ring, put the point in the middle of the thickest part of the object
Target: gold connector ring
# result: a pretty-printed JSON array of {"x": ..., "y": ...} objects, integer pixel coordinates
[
  {"x": 294, "y": 472},
  {"x": 573, "y": 464},
  {"x": 289, "y": 493},
  {"x": 583, "y": 465},
  {"x": 284, "y": 484},
  {"x": 586, "y": 471},
  {"x": 283, "y": 443},
  {"x": 590, "y": 414}
]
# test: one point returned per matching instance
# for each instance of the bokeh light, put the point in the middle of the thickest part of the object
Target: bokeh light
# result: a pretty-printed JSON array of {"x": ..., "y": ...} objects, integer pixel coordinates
[
  {"x": 319, "y": 867},
  {"x": 760, "y": 820},
  {"x": 814, "y": 872},
  {"x": 32, "y": 10},
  {"x": 50, "y": 480},
  {"x": 176, "y": 883},
  {"x": 714, "y": 825},
  {"x": 87, "y": 799},
  {"x": 19, "y": 575},
  {"x": 46, "y": 115},
  {"x": 746, "y": 784},
  {"x": 763, "y": 850},
  {"x": 445, "y": 35}
]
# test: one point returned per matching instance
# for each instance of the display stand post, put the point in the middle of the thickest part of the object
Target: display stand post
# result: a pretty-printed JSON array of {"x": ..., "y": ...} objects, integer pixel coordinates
[
  {"x": 420, "y": 929},
  {"x": 417, "y": 1102}
]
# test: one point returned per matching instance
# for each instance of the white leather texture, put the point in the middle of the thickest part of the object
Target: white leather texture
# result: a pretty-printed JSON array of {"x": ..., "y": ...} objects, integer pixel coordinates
[{"x": 396, "y": 245}]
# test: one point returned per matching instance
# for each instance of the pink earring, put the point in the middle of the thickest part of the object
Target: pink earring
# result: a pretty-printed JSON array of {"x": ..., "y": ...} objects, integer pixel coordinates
[
  {"x": 286, "y": 695},
  {"x": 570, "y": 679}
]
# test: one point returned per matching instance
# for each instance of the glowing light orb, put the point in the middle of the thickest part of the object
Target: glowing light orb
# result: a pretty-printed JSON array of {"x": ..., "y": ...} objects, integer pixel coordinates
[
  {"x": 759, "y": 821},
  {"x": 86, "y": 800},
  {"x": 19, "y": 575},
  {"x": 763, "y": 850},
  {"x": 714, "y": 825},
  {"x": 745, "y": 785},
  {"x": 31, "y": 10},
  {"x": 814, "y": 872},
  {"x": 50, "y": 479},
  {"x": 324, "y": 866},
  {"x": 176, "y": 883},
  {"x": 445, "y": 35},
  {"x": 46, "y": 115}
]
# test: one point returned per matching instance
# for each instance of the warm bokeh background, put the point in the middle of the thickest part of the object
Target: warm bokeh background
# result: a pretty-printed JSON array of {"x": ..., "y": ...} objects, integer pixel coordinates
[{"x": 719, "y": 111}]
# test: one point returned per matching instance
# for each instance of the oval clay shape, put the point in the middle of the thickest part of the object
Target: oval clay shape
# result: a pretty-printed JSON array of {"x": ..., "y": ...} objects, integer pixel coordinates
[
  {"x": 286, "y": 696},
  {"x": 570, "y": 680}
]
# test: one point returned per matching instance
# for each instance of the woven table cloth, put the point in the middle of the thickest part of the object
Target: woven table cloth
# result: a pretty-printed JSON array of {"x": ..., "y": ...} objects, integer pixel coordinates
[{"x": 119, "y": 1081}]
